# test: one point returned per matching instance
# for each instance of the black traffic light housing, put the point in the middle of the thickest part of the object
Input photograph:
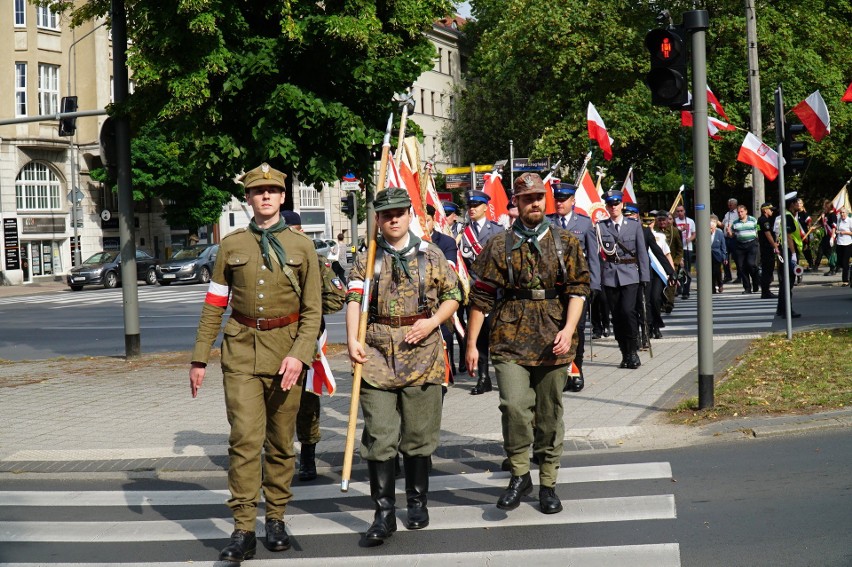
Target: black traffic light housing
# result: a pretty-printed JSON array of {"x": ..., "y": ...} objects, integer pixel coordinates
[
  {"x": 667, "y": 78},
  {"x": 67, "y": 126},
  {"x": 790, "y": 148},
  {"x": 347, "y": 204}
]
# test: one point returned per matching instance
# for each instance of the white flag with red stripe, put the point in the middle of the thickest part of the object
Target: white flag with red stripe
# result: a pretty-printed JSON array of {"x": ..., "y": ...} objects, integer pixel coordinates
[
  {"x": 405, "y": 180},
  {"x": 814, "y": 115},
  {"x": 627, "y": 189},
  {"x": 319, "y": 375},
  {"x": 717, "y": 106},
  {"x": 757, "y": 154},
  {"x": 597, "y": 131},
  {"x": 588, "y": 201}
]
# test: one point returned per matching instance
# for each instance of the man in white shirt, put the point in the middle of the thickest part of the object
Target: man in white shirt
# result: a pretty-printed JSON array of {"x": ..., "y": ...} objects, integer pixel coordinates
[{"x": 730, "y": 218}]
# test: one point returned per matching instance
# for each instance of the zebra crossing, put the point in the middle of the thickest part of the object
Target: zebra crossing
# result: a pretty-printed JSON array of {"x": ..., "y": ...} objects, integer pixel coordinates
[
  {"x": 733, "y": 314},
  {"x": 147, "y": 294},
  {"x": 95, "y": 522}
]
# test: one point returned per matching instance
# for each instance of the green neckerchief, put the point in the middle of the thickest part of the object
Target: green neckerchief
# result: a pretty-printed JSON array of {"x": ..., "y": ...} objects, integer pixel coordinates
[
  {"x": 268, "y": 239},
  {"x": 400, "y": 262},
  {"x": 530, "y": 236}
]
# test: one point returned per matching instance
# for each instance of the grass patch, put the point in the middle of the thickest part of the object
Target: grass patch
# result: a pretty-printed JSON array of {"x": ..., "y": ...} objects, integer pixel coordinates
[{"x": 811, "y": 373}]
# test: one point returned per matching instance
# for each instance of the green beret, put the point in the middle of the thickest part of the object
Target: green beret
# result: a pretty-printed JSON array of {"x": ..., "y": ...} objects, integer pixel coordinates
[{"x": 391, "y": 198}]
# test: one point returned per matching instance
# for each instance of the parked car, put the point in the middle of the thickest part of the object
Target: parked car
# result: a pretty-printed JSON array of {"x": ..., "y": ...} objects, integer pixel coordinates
[
  {"x": 104, "y": 268},
  {"x": 321, "y": 247},
  {"x": 193, "y": 264}
]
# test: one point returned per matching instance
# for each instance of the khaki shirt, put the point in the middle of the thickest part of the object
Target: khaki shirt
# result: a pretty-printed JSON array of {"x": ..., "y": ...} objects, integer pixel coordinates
[
  {"x": 391, "y": 362},
  {"x": 523, "y": 330},
  {"x": 259, "y": 291}
]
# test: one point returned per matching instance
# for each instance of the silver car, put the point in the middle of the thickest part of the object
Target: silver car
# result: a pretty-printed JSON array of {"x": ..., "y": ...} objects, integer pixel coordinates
[
  {"x": 193, "y": 264},
  {"x": 322, "y": 247}
]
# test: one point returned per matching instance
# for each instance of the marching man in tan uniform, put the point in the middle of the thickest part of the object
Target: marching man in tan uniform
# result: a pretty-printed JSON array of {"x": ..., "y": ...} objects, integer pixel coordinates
[
  {"x": 270, "y": 276},
  {"x": 404, "y": 365}
]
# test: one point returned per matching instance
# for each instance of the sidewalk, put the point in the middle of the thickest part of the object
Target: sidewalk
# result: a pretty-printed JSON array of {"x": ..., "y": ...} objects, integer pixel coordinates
[{"x": 137, "y": 417}]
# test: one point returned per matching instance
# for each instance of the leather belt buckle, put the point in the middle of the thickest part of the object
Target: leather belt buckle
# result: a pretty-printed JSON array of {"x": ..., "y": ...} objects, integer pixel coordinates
[
  {"x": 538, "y": 294},
  {"x": 258, "y": 324}
]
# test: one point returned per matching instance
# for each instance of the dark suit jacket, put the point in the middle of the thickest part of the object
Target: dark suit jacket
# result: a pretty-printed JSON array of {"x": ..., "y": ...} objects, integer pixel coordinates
[{"x": 447, "y": 246}]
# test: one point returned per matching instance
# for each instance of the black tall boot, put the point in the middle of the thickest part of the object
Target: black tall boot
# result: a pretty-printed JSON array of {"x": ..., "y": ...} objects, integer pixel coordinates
[
  {"x": 483, "y": 384},
  {"x": 416, "y": 490},
  {"x": 633, "y": 361},
  {"x": 382, "y": 490},
  {"x": 308, "y": 463},
  {"x": 624, "y": 353}
]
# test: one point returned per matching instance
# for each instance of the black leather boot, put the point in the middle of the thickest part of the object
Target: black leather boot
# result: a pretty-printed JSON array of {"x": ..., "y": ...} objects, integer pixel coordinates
[
  {"x": 483, "y": 384},
  {"x": 624, "y": 354},
  {"x": 575, "y": 383},
  {"x": 277, "y": 538},
  {"x": 548, "y": 501},
  {"x": 416, "y": 490},
  {"x": 633, "y": 361},
  {"x": 519, "y": 486},
  {"x": 243, "y": 545},
  {"x": 308, "y": 463},
  {"x": 382, "y": 490}
]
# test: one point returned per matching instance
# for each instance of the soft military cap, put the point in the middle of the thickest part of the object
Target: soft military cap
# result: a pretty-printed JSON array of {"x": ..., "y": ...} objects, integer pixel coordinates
[
  {"x": 264, "y": 176},
  {"x": 528, "y": 183},
  {"x": 769, "y": 206},
  {"x": 391, "y": 198}
]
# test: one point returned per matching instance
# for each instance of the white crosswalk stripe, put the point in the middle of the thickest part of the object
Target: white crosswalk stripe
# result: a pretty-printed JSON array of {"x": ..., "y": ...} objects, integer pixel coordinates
[
  {"x": 192, "y": 294},
  {"x": 161, "y": 510},
  {"x": 733, "y": 314}
]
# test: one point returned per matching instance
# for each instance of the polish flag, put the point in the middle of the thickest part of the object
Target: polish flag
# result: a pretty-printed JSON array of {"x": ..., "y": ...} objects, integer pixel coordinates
[
  {"x": 588, "y": 201},
  {"x": 717, "y": 106},
  {"x": 757, "y": 154},
  {"x": 714, "y": 125},
  {"x": 404, "y": 179},
  {"x": 498, "y": 206},
  {"x": 597, "y": 131},
  {"x": 319, "y": 374},
  {"x": 627, "y": 188},
  {"x": 847, "y": 97},
  {"x": 814, "y": 115},
  {"x": 549, "y": 201}
]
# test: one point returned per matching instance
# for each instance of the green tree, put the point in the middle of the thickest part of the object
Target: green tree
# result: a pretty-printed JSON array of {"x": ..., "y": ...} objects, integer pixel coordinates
[
  {"x": 223, "y": 85},
  {"x": 536, "y": 64}
]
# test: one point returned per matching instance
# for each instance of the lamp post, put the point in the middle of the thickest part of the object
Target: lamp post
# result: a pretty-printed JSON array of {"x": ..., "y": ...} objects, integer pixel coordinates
[{"x": 76, "y": 258}]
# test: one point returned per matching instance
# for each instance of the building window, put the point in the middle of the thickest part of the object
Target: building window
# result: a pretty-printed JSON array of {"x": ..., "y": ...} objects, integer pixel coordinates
[
  {"x": 423, "y": 101},
  {"x": 48, "y": 89},
  {"x": 45, "y": 18},
  {"x": 440, "y": 60},
  {"x": 37, "y": 189},
  {"x": 433, "y": 103},
  {"x": 20, "y": 89},
  {"x": 449, "y": 62},
  {"x": 20, "y": 13},
  {"x": 452, "y": 112},
  {"x": 309, "y": 197}
]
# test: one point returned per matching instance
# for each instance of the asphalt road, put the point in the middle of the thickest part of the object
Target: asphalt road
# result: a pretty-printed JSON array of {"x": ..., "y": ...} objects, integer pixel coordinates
[{"x": 755, "y": 502}]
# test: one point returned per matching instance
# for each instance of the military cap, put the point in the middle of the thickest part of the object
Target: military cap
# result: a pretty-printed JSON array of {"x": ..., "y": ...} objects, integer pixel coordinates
[
  {"x": 264, "y": 175},
  {"x": 292, "y": 218},
  {"x": 791, "y": 196},
  {"x": 564, "y": 189},
  {"x": 391, "y": 198},
  {"x": 478, "y": 197},
  {"x": 430, "y": 210},
  {"x": 661, "y": 214},
  {"x": 767, "y": 206},
  {"x": 528, "y": 183},
  {"x": 631, "y": 208},
  {"x": 613, "y": 196},
  {"x": 450, "y": 207}
]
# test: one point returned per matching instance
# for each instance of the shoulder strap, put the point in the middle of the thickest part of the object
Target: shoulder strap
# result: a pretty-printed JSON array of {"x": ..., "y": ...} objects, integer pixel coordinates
[
  {"x": 421, "y": 275},
  {"x": 510, "y": 240},
  {"x": 557, "y": 241}
]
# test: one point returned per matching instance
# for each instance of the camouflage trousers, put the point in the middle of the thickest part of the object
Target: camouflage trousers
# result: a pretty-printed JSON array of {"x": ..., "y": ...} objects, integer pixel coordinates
[
  {"x": 261, "y": 415},
  {"x": 532, "y": 394},
  {"x": 404, "y": 419}
]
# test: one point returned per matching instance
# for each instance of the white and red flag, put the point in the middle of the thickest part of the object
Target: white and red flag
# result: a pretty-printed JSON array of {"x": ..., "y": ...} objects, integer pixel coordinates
[
  {"x": 717, "y": 106},
  {"x": 405, "y": 179},
  {"x": 759, "y": 155},
  {"x": 588, "y": 201},
  {"x": 713, "y": 124},
  {"x": 847, "y": 96},
  {"x": 814, "y": 115},
  {"x": 498, "y": 206},
  {"x": 628, "y": 196},
  {"x": 597, "y": 131},
  {"x": 549, "y": 201},
  {"x": 319, "y": 375},
  {"x": 841, "y": 200}
]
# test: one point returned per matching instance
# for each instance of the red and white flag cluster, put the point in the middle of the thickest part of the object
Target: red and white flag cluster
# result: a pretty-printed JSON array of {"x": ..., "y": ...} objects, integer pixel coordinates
[
  {"x": 814, "y": 115},
  {"x": 714, "y": 125}
]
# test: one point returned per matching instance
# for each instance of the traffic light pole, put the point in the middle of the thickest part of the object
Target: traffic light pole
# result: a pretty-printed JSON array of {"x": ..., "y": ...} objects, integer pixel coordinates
[
  {"x": 696, "y": 22},
  {"x": 786, "y": 284}
]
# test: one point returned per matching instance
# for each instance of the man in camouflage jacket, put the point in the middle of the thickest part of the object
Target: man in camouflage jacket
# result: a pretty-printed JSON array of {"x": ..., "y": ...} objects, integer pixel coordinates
[{"x": 535, "y": 303}]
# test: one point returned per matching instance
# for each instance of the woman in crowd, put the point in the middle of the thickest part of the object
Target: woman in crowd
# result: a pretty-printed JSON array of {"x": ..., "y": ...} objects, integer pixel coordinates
[{"x": 719, "y": 252}]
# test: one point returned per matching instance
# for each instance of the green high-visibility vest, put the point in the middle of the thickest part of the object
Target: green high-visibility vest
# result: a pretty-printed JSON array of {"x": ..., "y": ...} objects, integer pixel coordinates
[{"x": 797, "y": 234}]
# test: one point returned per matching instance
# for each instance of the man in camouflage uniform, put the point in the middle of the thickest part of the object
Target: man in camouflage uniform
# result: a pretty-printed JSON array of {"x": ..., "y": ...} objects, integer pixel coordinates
[
  {"x": 536, "y": 302},
  {"x": 270, "y": 274},
  {"x": 413, "y": 291},
  {"x": 674, "y": 238}
]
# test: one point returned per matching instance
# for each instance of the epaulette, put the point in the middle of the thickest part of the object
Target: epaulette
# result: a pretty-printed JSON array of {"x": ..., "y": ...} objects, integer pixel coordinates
[
  {"x": 300, "y": 233},
  {"x": 579, "y": 214},
  {"x": 631, "y": 219},
  {"x": 232, "y": 233}
]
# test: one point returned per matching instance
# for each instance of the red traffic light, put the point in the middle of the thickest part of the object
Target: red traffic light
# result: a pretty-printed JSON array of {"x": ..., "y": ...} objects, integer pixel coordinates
[{"x": 665, "y": 46}]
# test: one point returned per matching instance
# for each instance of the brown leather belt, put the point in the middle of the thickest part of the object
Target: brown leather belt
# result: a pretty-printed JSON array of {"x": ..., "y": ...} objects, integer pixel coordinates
[
  {"x": 622, "y": 260},
  {"x": 398, "y": 321},
  {"x": 265, "y": 324}
]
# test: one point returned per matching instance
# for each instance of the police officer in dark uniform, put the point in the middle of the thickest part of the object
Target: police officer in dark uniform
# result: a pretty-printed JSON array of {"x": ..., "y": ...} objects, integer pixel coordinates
[
  {"x": 581, "y": 227},
  {"x": 769, "y": 248},
  {"x": 453, "y": 222},
  {"x": 473, "y": 237},
  {"x": 625, "y": 268}
]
